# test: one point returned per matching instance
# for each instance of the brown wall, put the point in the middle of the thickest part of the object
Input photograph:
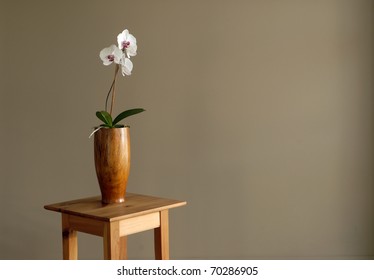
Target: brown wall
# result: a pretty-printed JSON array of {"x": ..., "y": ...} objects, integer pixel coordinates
[{"x": 259, "y": 114}]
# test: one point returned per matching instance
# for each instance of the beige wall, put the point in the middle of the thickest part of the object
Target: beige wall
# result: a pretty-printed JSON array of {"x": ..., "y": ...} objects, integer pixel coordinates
[{"x": 259, "y": 114}]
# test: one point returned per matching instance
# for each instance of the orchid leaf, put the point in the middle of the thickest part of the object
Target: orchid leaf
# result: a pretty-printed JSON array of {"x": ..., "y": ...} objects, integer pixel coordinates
[
  {"x": 126, "y": 114},
  {"x": 105, "y": 117}
]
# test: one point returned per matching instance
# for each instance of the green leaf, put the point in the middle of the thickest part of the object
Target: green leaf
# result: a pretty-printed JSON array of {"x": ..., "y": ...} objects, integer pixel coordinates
[
  {"x": 126, "y": 114},
  {"x": 105, "y": 117}
]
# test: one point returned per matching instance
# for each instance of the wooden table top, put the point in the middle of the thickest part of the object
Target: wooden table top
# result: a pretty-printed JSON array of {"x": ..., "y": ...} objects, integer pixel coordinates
[{"x": 135, "y": 205}]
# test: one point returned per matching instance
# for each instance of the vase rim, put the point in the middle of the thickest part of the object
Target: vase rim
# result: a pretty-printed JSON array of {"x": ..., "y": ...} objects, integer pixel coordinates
[{"x": 125, "y": 126}]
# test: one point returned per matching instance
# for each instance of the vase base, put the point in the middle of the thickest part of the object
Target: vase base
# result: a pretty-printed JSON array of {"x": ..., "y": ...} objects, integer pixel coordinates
[{"x": 112, "y": 201}]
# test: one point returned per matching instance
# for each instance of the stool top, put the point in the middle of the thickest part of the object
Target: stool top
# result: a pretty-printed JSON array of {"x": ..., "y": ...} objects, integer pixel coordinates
[{"x": 134, "y": 205}]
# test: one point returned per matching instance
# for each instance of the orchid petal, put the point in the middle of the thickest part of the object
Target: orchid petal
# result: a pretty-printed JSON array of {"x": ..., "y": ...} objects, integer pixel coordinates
[
  {"x": 117, "y": 54},
  {"x": 126, "y": 66},
  {"x": 131, "y": 39},
  {"x": 122, "y": 37}
]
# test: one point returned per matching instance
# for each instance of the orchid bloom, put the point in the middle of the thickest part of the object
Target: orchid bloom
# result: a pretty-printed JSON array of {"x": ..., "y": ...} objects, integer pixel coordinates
[
  {"x": 127, "y": 43},
  {"x": 111, "y": 54},
  {"x": 121, "y": 55},
  {"x": 126, "y": 66}
]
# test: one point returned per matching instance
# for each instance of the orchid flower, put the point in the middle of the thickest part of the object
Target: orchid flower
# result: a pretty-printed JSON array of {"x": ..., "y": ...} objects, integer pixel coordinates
[
  {"x": 127, "y": 47},
  {"x": 127, "y": 43},
  {"x": 111, "y": 54},
  {"x": 126, "y": 66}
]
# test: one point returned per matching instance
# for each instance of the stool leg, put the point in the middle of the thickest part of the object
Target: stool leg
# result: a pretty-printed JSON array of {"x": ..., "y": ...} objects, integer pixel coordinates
[
  {"x": 123, "y": 248},
  {"x": 161, "y": 235},
  {"x": 69, "y": 240},
  {"x": 112, "y": 241}
]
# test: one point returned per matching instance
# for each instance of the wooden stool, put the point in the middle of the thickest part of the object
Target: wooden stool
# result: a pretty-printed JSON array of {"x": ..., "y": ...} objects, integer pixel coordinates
[{"x": 114, "y": 222}]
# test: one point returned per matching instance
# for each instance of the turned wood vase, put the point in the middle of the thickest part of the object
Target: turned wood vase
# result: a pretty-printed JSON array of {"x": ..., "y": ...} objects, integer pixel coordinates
[{"x": 112, "y": 162}]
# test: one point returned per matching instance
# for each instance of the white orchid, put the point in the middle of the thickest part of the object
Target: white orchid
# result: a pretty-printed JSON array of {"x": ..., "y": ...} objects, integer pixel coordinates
[
  {"x": 127, "y": 47},
  {"x": 111, "y": 54},
  {"x": 126, "y": 65},
  {"x": 120, "y": 55},
  {"x": 127, "y": 43}
]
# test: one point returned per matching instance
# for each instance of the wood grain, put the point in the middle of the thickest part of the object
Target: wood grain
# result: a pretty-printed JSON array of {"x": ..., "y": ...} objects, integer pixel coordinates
[
  {"x": 139, "y": 223},
  {"x": 135, "y": 205},
  {"x": 69, "y": 240},
  {"x": 111, "y": 241},
  {"x": 112, "y": 162},
  {"x": 161, "y": 236}
]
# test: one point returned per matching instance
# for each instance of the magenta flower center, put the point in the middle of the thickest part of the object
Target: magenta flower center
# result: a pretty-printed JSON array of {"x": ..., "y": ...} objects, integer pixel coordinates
[
  {"x": 110, "y": 57},
  {"x": 125, "y": 44}
]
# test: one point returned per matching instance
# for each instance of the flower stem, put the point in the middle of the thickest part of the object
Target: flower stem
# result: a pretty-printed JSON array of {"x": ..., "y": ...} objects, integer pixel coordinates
[{"x": 112, "y": 90}]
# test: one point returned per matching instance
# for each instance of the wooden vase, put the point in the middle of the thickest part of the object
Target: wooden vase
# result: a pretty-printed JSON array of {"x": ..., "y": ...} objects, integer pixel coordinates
[{"x": 112, "y": 162}]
